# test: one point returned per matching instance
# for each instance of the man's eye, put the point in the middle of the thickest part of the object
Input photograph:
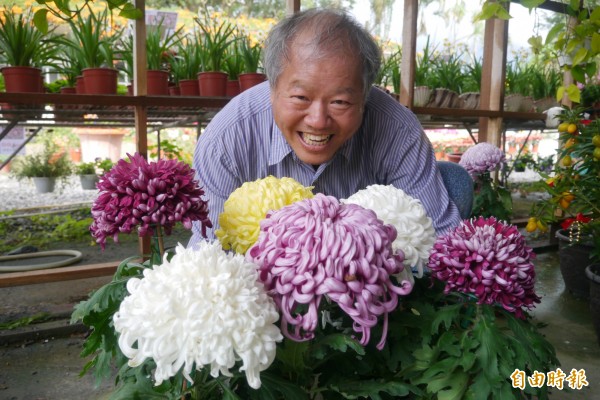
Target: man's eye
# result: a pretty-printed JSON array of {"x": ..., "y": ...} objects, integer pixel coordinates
[
  {"x": 340, "y": 103},
  {"x": 301, "y": 98}
]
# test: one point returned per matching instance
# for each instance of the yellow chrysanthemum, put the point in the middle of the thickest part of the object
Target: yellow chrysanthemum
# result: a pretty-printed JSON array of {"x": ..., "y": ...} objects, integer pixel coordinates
[{"x": 248, "y": 205}]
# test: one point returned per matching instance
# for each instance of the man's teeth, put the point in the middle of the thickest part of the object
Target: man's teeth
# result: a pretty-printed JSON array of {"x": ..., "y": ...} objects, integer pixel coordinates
[{"x": 316, "y": 140}]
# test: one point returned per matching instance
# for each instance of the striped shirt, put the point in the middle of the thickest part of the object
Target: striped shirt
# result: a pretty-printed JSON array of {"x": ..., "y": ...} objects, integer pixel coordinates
[{"x": 242, "y": 144}]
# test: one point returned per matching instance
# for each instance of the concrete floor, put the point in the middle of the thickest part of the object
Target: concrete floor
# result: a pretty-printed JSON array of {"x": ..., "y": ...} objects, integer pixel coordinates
[
  {"x": 569, "y": 328},
  {"x": 48, "y": 369}
]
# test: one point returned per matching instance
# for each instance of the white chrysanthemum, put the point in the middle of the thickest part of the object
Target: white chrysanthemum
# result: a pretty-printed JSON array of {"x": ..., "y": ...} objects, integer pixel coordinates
[
  {"x": 416, "y": 234},
  {"x": 205, "y": 307}
]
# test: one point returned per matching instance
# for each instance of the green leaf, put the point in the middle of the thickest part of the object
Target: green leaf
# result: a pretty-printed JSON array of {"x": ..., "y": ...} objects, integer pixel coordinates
[
  {"x": 130, "y": 12},
  {"x": 595, "y": 44},
  {"x": 449, "y": 386},
  {"x": 446, "y": 315},
  {"x": 580, "y": 56},
  {"x": 371, "y": 389},
  {"x": 63, "y": 6},
  {"x": 337, "y": 342},
  {"x": 40, "y": 20},
  {"x": 112, "y": 4},
  {"x": 590, "y": 68},
  {"x": 272, "y": 383},
  {"x": 560, "y": 93},
  {"x": 488, "y": 11},
  {"x": 291, "y": 354},
  {"x": 573, "y": 93},
  {"x": 578, "y": 73},
  {"x": 553, "y": 33},
  {"x": 595, "y": 15},
  {"x": 531, "y": 3}
]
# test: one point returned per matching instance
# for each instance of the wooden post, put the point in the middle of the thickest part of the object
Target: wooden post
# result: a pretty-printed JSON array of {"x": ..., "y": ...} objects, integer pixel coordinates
[
  {"x": 292, "y": 6},
  {"x": 492, "y": 80},
  {"x": 140, "y": 89},
  {"x": 567, "y": 76},
  {"x": 409, "y": 51}
]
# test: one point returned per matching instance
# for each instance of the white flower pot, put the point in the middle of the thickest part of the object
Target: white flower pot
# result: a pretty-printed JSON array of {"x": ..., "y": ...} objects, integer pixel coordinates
[
  {"x": 44, "y": 184},
  {"x": 421, "y": 96},
  {"x": 470, "y": 100},
  {"x": 88, "y": 181},
  {"x": 513, "y": 102}
]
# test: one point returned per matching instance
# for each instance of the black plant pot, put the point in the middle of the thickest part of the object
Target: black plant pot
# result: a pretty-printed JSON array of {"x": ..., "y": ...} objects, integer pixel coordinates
[
  {"x": 574, "y": 257},
  {"x": 593, "y": 274}
]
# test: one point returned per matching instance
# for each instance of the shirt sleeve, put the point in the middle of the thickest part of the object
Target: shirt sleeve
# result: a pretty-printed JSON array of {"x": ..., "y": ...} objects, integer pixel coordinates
[
  {"x": 216, "y": 176},
  {"x": 410, "y": 165}
]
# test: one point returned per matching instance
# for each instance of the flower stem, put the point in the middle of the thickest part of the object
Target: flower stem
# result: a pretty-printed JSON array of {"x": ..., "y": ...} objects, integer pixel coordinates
[{"x": 160, "y": 240}]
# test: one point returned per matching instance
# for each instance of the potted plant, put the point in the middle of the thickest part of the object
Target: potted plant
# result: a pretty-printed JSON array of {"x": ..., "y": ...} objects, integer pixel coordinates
[
  {"x": 234, "y": 66},
  {"x": 24, "y": 50},
  {"x": 216, "y": 37},
  {"x": 423, "y": 91},
  {"x": 545, "y": 81},
  {"x": 523, "y": 161},
  {"x": 87, "y": 175},
  {"x": 69, "y": 67},
  {"x": 573, "y": 200},
  {"x": 251, "y": 56},
  {"x": 518, "y": 87},
  {"x": 160, "y": 44},
  {"x": 124, "y": 52},
  {"x": 94, "y": 48},
  {"x": 186, "y": 64},
  {"x": 103, "y": 165},
  {"x": 44, "y": 167}
]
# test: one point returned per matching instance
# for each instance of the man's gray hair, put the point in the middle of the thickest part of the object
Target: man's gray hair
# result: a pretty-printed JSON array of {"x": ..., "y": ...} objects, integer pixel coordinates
[{"x": 329, "y": 32}]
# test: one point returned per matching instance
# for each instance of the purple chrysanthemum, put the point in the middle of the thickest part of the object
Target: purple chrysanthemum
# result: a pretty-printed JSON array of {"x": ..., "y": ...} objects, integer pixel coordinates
[
  {"x": 142, "y": 194},
  {"x": 489, "y": 259},
  {"x": 319, "y": 247},
  {"x": 481, "y": 158}
]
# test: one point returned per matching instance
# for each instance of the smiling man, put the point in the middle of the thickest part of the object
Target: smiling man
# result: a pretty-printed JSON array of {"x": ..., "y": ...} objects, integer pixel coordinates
[{"x": 319, "y": 120}]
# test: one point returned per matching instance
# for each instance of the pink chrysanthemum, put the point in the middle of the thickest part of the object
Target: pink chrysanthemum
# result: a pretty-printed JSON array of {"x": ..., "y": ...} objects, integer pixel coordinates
[
  {"x": 142, "y": 194},
  {"x": 489, "y": 259},
  {"x": 319, "y": 247},
  {"x": 481, "y": 158}
]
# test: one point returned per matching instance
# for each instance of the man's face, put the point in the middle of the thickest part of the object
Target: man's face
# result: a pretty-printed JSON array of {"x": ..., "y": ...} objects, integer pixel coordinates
[{"x": 318, "y": 104}]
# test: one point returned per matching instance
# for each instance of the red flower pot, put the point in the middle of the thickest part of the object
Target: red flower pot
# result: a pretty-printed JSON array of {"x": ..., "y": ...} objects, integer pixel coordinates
[
  {"x": 454, "y": 157},
  {"x": 189, "y": 87},
  {"x": 22, "y": 79},
  {"x": 80, "y": 85},
  {"x": 250, "y": 79},
  {"x": 100, "y": 80},
  {"x": 157, "y": 83},
  {"x": 233, "y": 88},
  {"x": 213, "y": 83}
]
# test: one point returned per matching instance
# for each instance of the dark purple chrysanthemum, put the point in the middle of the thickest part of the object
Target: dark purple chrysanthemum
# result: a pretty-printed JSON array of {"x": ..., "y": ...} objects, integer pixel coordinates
[
  {"x": 142, "y": 194},
  {"x": 319, "y": 247},
  {"x": 481, "y": 158},
  {"x": 489, "y": 259}
]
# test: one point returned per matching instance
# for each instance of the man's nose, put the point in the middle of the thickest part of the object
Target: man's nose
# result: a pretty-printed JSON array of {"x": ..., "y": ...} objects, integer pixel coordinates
[{"x": 317, "y": 116}]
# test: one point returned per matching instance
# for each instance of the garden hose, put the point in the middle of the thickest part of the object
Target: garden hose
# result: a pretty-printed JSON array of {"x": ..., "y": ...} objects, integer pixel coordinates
[{"x": 72, "y": 257}]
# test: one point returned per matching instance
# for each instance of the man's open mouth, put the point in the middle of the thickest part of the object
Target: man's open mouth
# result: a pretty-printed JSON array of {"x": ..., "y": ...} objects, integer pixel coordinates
[{"x": 315, "y": 140}]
